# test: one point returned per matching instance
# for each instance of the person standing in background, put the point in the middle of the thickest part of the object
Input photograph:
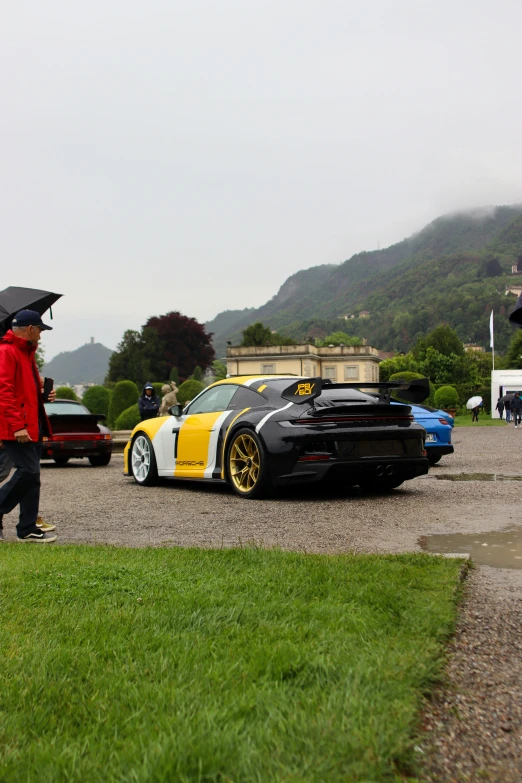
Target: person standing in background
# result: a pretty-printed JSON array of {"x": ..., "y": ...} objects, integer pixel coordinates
[
  {"x": 148, "y": 403},
  {"x": 516, "y": 408}
]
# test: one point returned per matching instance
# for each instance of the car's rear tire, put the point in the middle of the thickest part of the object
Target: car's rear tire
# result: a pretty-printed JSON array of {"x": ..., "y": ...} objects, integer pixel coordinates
[
  {"x": 434, "y": 458},
  {"x": 61, "y": 460},
  {"x": 143, "y": 460},
  {"x": 247, "y": 465},
  {"x": 100, "y": 461}
]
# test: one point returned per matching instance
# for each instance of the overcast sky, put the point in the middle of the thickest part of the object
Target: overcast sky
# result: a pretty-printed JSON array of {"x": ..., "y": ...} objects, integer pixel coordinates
[{"x": 190, "y": 156}]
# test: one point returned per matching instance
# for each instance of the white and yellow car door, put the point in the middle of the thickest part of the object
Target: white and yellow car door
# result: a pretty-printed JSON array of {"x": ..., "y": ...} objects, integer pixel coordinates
[
  {"x": 189, "y": 443},
  {"x": 198, "y": 442}
]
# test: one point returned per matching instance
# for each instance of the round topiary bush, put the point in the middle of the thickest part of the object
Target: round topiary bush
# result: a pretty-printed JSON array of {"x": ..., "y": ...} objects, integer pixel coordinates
[
  {"x": 66, "y": 393},
  {"x": 128, "y": 419},
  {"x": 446, "y": 397},
  {"x": 188, "y": 390},
  {"x": 406, "y": 375},
  {"x": 96, "y": 399},
  {"x": 124, "y": 394}
]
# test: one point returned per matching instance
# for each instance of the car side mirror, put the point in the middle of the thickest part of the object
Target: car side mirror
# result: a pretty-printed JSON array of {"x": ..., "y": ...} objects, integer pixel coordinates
[
  {"x": 176, "y": 410},
  {"x": 100, "y": 416}
]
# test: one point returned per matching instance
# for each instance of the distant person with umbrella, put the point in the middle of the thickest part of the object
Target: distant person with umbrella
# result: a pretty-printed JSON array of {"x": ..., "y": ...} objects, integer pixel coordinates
[
  {"x": 23, "y": 423},
  {"x": 507, "y": 406},
  {"x": 500, "y": 407},
  {"x": 474, "y": 404}
]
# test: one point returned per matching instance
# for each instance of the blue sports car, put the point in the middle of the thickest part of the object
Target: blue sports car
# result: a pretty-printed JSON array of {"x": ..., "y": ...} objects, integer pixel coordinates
[{"x": 438, "y": 425}]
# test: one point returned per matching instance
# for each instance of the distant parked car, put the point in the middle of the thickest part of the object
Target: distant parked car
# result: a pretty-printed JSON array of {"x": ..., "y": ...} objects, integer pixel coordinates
[
  {"x": 76, "y": 433},
  {"x": 438, "y": 425}
]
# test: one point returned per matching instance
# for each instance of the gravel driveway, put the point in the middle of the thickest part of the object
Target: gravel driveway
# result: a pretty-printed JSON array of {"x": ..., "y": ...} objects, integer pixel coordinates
[{"x": 474, "y": 722}]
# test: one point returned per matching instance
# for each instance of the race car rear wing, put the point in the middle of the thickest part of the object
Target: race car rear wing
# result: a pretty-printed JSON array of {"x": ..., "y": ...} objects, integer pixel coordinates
[{"x": 308, "y": 390}]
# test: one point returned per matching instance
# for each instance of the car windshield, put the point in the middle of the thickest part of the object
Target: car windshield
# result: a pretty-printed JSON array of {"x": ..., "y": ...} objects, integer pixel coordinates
[{"x": 65, "y": 408}]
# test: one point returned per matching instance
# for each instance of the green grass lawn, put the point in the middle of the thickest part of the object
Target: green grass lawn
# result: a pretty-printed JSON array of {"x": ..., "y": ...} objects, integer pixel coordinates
[
  {"x": 222, "y": 666},
  {"x": 484, "y": 421}
]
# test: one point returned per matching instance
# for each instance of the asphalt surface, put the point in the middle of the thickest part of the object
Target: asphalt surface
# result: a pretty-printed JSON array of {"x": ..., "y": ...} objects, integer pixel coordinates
[{"x": 100, "y": 505}]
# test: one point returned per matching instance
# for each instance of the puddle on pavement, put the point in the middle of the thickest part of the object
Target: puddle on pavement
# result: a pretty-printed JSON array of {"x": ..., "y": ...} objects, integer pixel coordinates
[
  {"x": 476, "y": 477},
  {"x": 500, "y": 548}
]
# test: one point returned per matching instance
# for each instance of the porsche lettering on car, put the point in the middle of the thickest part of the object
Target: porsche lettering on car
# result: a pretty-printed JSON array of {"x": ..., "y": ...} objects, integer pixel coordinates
[{"x": 260, "y": 432}]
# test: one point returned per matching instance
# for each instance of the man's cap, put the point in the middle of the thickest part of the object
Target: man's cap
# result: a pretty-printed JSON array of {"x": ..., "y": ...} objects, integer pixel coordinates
[
  {"x": 29, "y": 318},
  {"x": 149, "y": 386}
]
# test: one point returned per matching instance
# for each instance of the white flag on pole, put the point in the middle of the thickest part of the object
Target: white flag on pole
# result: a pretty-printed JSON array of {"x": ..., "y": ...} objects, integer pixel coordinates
[{"x": 491, "y": 339}]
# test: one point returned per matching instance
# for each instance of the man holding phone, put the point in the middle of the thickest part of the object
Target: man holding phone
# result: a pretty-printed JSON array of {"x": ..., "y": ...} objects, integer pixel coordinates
[{"x": 23, "y": 423}]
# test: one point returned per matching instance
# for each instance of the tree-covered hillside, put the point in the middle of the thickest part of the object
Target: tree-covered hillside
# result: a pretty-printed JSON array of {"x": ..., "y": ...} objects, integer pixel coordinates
[
  {"x": 439, "y": 274},
  {"x": 87, "y": 364}
]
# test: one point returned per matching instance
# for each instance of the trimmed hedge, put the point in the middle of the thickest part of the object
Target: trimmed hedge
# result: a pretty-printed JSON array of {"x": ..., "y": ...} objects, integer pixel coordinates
[
  {"x": 66, "y": 393},
  {"x": 188, "y": 390},
  {"x": 128, "y": 419},
  {"x": 97, "y": 399},
  {"x": 446, "y": 397},
  {"x": 124, "y": 394}
]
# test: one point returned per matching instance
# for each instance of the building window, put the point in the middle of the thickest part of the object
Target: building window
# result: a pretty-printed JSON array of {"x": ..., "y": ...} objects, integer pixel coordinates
[
  {"x": 330, "y": 372},
  {"x": 351, "y": 373},
  {"x": 268, "y": 369}
]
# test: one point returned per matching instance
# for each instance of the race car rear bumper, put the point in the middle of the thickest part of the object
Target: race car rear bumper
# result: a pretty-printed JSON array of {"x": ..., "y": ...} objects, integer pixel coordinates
[
  {"x": 354, "y": 472},
  {"x": 73, "y": 448}
]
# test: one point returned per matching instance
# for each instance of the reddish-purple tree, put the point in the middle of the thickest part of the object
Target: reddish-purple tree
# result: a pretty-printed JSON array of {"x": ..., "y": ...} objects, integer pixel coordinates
[{"x": 181, "y": 342}]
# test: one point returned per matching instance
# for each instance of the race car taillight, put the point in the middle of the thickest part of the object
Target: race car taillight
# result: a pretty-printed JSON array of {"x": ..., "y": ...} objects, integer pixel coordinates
[
  {"x": 445, "y": 421},
  {"x": 314, "y": 457},
  {"x": 61, "y": 436}
]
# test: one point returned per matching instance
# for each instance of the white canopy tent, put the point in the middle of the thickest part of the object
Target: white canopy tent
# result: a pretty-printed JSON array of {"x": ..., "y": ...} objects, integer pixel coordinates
[{"x": 504, "y": 382}]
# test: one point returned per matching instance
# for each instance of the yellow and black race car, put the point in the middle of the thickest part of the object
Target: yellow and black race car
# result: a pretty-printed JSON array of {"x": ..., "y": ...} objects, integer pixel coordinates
[{"x": 257, "y": 433}]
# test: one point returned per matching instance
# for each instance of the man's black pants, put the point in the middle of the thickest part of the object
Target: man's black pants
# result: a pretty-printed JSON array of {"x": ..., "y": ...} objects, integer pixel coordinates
[{"x": 23, "y": 488}]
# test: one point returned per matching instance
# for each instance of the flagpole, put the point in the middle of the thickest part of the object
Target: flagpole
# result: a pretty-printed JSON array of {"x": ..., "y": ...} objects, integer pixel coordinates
[{"x": 492, "y": 338}]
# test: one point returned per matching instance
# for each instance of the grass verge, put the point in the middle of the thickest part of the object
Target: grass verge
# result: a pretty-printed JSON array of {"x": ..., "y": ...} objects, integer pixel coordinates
[
  {"x": 225, "y": 666},
  {"x": 484, "y": 421}
]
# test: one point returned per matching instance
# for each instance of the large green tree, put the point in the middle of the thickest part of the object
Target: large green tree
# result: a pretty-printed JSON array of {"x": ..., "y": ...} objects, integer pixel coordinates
[
  {"x": 258, "y": 334},
  {"x": 513, "y": 357},
  {"x": 339, "y": 338},
  {"x": 166, "y": 342},
  {"x": 443, "y": 339}
]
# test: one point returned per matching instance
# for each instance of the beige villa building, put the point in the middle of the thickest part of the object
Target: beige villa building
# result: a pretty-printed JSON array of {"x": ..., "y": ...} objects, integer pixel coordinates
[{"x": 341, "y": 363}]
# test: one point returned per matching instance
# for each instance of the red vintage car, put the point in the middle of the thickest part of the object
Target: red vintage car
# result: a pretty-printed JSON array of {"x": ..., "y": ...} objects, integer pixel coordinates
[{"x": 76, "y": 433}]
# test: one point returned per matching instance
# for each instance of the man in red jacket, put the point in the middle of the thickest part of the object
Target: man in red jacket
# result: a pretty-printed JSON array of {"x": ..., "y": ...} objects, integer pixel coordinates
[{"x": 23, "y": 423}]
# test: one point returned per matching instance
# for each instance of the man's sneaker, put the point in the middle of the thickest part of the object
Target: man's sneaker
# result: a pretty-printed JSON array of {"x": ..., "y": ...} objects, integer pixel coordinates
[
  {"x": 38, "y": 538},
  {"x": 41, "y": 524},
  {"x": 2, "y": 535}
]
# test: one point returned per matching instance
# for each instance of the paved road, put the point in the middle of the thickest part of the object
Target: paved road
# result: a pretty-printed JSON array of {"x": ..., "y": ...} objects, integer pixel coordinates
[{"x": 101, "y": 505}]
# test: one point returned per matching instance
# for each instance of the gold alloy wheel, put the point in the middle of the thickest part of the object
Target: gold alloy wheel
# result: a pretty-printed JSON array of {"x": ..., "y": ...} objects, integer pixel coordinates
[{"x": 244, "y": 463}]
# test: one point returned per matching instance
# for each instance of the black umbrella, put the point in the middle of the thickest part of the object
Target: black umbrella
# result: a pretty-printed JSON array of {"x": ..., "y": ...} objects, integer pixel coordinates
[
  {"x": 13, "y": 299},
  {"x": 506, "y": 398}
]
